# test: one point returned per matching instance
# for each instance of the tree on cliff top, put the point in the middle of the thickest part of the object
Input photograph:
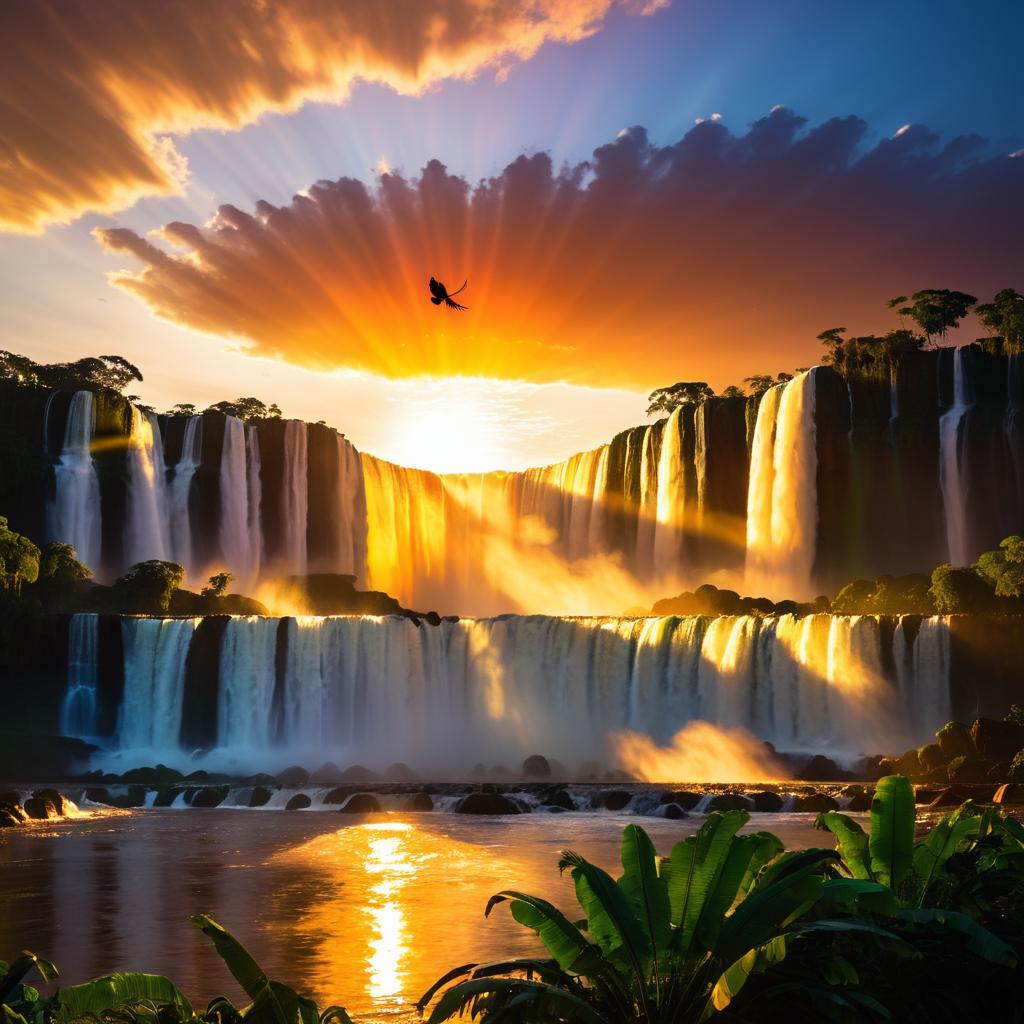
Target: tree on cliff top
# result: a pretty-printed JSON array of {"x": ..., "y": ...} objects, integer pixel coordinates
[
  {"x": 19, "y": 559},
  {"x": 761, "y": 382},
  {"x": 102, "y": 373},
  {"x": 1003, "y": 317},
  {"x": 956, "y": 590},
  {"x": 938, "y": 310},
  {"x": 1004, "y": 568},
  {"x": 248, "y": 409},
  {"x": 147, "y": 586},
  {"x": 684, "y": 392},
  {"x": 218, "y": 584}
]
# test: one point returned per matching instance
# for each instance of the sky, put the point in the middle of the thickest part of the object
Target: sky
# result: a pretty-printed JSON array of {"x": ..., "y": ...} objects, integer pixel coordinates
[{"x": 250, "y": 199}]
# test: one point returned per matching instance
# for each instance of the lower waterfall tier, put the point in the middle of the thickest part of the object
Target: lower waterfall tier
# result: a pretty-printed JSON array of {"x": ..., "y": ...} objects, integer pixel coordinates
[{"x": 259, "y": 693}]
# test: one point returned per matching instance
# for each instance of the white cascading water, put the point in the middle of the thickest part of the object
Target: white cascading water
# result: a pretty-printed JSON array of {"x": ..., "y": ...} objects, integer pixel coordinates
[
  {"x": 782, "y": 495},
  {"x": 233, "y": 530},
  {"x": 146, "y": 530},
  {"x": 295, "y": 506},
  {"x": 78, "y": 713},
  {"x": 378, "y": 690},
  {"x": 74, "y": 513},
  {"x": 154, "y": 683},
  {"x": 254, "y": 492},
  {"x": 951, "y": 439},
  {"x": 670, "y": 509},
  {"x": 179, "y": 490}
]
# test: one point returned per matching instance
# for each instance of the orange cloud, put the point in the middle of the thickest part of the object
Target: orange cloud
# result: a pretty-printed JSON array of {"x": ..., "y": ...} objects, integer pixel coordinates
[
  {"x": 642, "y": 266},
  {"x": 90, "y": 93}
]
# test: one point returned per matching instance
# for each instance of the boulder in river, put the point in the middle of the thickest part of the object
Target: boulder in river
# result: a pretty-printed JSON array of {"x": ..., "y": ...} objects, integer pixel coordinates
[
  {"x": 260, "y": 796},
  {"x": 816, "y": 802},
  {"x": 420, "y": 802},
  {"x": 558, "y": 798},
  {"x": 362, "y": 803},
  {"x": 996, "y": 740},
  {"x": 684, "y": 797},
  {"x": 673, "y": 812},
  {"x": 823, "y": 769},
  {"x": 954, "y": 740},
  {"x": 616, "y": 799},
  {"x": 860, "y": 802},
  {"x": 486, "y": 803},
  {"x": 10, "y": 816},
  {"x": 328, "y": 774},
  {"x": 58, "y": 799},
  {"x": 730, "y": 802},
  {"x": 209, "y": 796},
  {"x": 40, "y": 808},
  {"x": 298, "y": 802},
  {"x": 293, "y": 777},
  {"x": 767, "y": 801},
  {"x": 537, "y": 766}
]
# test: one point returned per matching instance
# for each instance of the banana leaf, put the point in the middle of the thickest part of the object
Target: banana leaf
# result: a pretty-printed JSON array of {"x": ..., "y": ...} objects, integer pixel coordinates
[
  {"x": 851, "y": 840},
  {"x": 646, "y": 891},
  {"x": 19, "y": 969},
  {"x": 891, "y": 842},
  {"x": 939, "y": 845},
  {"x": 980, "y": 940},
  {"x": 114, "y": 991}
]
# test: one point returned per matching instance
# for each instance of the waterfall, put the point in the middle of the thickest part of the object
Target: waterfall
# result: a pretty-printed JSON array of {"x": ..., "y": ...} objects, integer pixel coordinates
[
  {"x": 146, "y": 534},
  {"x": 951, "y": 440},
  {"x": 78, "y": 713},
  {"x": 154, "y": 682},
  {"x": 254, "y": 497},
  {"x": 670, "y": 512},
  {"x": 1014, "y": 425},
  {"x": 74, "y": 514},
  {"x": 235, "y": 547},
  {"x": 296, "y": 496},
  {"x": 782, "y": 503},
  {"x": 377, "y": 690},
  {"x": 179, "y": 491}
]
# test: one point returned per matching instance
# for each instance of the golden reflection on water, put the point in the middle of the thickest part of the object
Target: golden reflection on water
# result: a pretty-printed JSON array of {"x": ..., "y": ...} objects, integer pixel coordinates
[{"x": 383, "y": 910}]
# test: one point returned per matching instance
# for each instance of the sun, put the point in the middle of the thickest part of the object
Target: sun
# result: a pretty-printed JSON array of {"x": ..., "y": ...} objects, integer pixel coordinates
[{"x": 453, "y": 434}]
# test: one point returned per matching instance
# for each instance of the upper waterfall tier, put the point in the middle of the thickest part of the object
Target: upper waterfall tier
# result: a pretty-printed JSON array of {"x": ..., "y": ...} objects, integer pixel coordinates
[{"x": 821, "y": 480}]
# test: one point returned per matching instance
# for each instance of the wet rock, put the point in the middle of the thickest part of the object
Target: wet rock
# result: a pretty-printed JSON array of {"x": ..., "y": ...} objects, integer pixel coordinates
[
  {"x": 616, "y": 799},
  {"x": 293, "y": 777},
  {"x": 40, "y": 809},
  {"x": 338, "y": 795},
  {"x": 1009, "y": 793},
  {"x": 860, "y": 802},
  {"x": 359, "y": 773},
  {"x": 420, "y": 802},
  {"x": 995, "y": 740},
  {"x": 199, "y": 775},
  {"x": 260, "y": 796},
  {"x": 260, "y": 779},
  {"x": 209, "y": 796},
  {"x": 400, "y": 772},
  {"x": 909, "y": 763},
  {"x": 537, "y": 766},
  {"x": 58, "y": 799},
  {"x": 816, "y": 802},
  {"x": 328, "y": 774},
  {"x": 99, "y": 795},
  {"x": 673, "y": 812},
  {"x": 134, "y": 796},
  {"x": 730, "y": 802},
  {"x": 9, "y": 817},
  {"x": 931, "y": 756},
  {"x": 954, "y": 740},
  {"x": 298, "y": 802},
  {"x": 822, "y": 769},
  {"x": 159, "y": 775},
  {"x": 166, "y": 795},
  {"x": 361, "y": 803},
  {"x": 767, "y": 801},
  {"x": 10, "y": 796},
  {"x": 968, "y": 769},
  {"x": 868, "y": 767},
  {"x": 558, "y": 798},
  {"x": 684, "y": 797},
  {"x": 486, "y": 803}
]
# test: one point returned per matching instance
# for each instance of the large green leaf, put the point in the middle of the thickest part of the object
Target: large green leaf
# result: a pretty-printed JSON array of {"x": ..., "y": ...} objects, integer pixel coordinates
[
  {"x": 734, "y": 977},
  {"x": 891, "y": 843},
  {"x": 563, "y": 940},
  {"x": 646, "y": 891},
  {"x": 981, "y": 941},
  {"x": 18, "y": 970},
  {"x": 114, "y": 991},
  {"x": 503, "y": 996},
  {"x": 239, "y": 961},
  {"x": 851, "y": 840},
  {"x": 940, "y": 844},
  {"x": 611, "y": 918},
  {"x": 795, "y": 862},
  {"x": 860, "y": 896},
  {"x": 765, "y": 913},
  {"x": 692, "y": 870}
]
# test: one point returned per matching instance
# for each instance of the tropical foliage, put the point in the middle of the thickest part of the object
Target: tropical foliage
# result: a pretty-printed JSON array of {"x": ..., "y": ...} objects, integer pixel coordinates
[
  {"x": 129, "y": 997},
  {"x": 673, "y": 939}
]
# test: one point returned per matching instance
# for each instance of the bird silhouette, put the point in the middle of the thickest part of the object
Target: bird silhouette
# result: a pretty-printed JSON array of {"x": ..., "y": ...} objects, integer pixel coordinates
[{"x": 439, "y": 294}]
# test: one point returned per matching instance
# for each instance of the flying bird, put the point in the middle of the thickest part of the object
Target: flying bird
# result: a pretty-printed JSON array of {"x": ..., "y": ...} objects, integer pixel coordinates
[{"x": 439, "y": 294}]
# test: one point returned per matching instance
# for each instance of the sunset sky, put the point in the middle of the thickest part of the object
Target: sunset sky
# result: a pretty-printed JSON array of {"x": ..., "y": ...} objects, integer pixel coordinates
[{"x": 249, "y": 198}]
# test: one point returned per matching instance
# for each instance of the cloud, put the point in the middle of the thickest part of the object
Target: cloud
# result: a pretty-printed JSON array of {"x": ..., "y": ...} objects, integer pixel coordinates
[
  {"x": 91, "y": 93},
  {"x": 644, "y": 265}
]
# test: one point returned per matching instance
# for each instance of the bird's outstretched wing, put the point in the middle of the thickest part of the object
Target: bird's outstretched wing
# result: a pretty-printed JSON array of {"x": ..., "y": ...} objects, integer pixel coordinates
[
  {"x": 454, "y": 305},
  {"x": 438, "y": 289}
]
